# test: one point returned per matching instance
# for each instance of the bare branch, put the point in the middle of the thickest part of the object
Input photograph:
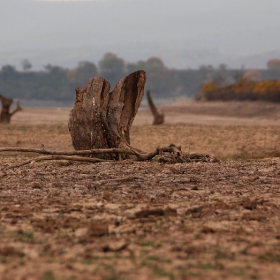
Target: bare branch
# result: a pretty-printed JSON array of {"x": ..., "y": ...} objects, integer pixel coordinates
[
  {"x": 83, "y": 155},
  {"x": 18, "y": 108},
  {"x": 141, "y": 156},
  {"x": 79, "y": 152},
  {"x": 5, "y": 115},
  {"x": 158, "y": 118},
  {"x": 148, "y": 156},
  {"x": 57, "y": 157}
]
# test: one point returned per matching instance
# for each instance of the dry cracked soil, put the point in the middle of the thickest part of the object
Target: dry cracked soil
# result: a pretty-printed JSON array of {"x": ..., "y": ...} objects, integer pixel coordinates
[{"x": 125, "y": 219}]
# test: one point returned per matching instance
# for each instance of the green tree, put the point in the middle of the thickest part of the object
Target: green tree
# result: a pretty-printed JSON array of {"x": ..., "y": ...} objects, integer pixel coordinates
[
  {"x": 132, "y": 67},
  {"x": 219, "y": 76},
  {"x": 26, "y": 65},
  {"x": 273, "y": 64},
  {"x": 157, "y": 76},
  {"x": 8, "y": 71},
  {"x": 82, "y": 73},
  {"x": 112, "y": 68},
  {"x": 54, "y": 84},
  {"x": 9, "y": 81}
]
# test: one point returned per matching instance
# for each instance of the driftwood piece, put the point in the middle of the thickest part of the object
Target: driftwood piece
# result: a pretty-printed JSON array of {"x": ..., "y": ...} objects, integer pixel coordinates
[
  {"x": 158, "y": 118},
  {"x": 5, "y": 115},
  {"x": 169, "y": 154},
  {"x": 102, "y": 119},
  {"x": 139, "y": 156}
]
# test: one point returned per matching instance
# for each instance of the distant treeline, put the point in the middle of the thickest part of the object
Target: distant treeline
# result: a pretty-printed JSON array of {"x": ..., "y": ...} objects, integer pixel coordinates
[
  {"x": 244, "y": 90},
  {"x": 253, "y": 85},
  {"x": 58, "y": 83}
]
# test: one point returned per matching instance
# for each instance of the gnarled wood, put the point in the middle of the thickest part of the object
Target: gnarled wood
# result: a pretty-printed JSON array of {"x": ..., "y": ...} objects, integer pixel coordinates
[
  {"x": 158, "y": 118},
  {"x": 171, "y": 154},
  {"x": 102, "y": 119},
  {"x": 5, "y": 115}
]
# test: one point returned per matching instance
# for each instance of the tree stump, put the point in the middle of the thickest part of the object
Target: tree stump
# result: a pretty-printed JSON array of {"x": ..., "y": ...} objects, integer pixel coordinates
[
  {"x": 102, "y": 119},
  {"x": 5, "y": 115},
  {"x": 158, "y": 118}
]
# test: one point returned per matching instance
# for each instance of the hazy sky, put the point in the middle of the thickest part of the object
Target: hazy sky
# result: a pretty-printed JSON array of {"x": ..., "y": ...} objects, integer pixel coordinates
[{"x": 232, "y": 26}]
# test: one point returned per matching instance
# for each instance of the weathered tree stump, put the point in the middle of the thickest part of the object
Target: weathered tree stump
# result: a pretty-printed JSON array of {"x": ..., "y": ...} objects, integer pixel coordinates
[
  {"x": 102, "y": 119},
  {"x": 5, "y": 115},
  {"x": 158, "y": 118}
]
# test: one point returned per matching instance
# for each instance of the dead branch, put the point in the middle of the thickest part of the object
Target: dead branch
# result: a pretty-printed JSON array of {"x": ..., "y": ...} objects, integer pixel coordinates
[
  {"x": 80, "y": 155},
  {"x": 79, "y": 152},
  {"x": 5, "y": 115},
  {"x": 158, "y": 118},
  {"x": 56, "y": 157},
  {"x": 148, "y": 156},
  {"x": 170, "y": 154},
  {"x": 18, "y": 108},
  {"x": 141, "y": 156}
]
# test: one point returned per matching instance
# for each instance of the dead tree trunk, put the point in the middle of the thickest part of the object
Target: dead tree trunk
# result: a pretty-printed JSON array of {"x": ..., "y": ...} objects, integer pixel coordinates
[
  {"x": 102, "y": 119},
  {"x": 5, "y": 115},
  {"x": 158, "y": 118}
]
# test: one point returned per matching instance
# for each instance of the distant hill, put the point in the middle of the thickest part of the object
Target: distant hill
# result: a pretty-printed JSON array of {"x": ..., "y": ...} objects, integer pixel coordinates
[
  {"x": 256, "y": 61},
  {"x": 174, "y": 56}
]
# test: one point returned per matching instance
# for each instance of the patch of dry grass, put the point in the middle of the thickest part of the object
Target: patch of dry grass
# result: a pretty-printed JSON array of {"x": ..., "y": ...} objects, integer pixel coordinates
[
  {"x": 237, "y": 142},
  {"x": 225, "y": 142}
]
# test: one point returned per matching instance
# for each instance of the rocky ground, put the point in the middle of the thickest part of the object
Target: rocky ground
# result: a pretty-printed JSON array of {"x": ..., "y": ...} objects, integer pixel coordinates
[{"x": 143, "y": 220}]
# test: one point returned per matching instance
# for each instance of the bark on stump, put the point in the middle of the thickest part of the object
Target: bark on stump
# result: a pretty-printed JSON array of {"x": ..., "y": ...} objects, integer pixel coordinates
[
  {"x": 102, "y": 119},
  {"x": 158, "y": 118},
  {"x": 5, "y": 115}
]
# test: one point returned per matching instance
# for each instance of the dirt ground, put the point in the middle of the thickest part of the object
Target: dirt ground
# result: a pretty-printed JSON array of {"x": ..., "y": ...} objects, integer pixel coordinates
[{"x": 145, "y": 220}]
